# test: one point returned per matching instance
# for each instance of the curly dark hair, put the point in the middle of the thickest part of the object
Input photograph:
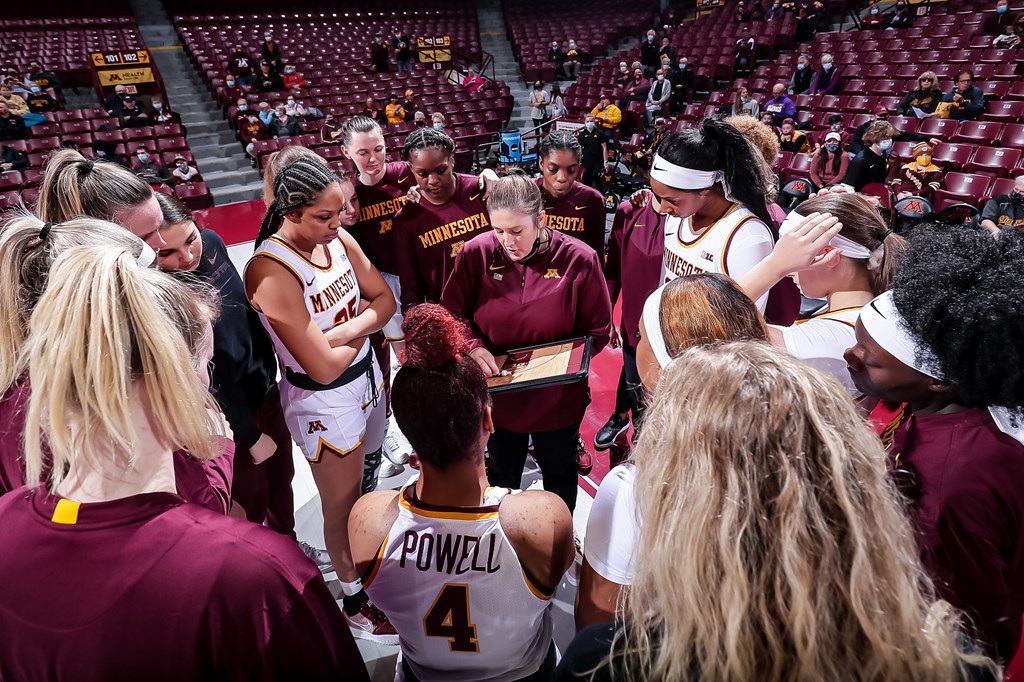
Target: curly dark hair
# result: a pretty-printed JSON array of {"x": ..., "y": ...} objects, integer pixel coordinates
[{"x": 960, "y": 292}]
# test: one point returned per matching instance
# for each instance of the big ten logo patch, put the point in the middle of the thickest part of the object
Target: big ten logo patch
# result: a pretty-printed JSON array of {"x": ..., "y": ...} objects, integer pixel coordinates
[{"x": 315, "y": 426}]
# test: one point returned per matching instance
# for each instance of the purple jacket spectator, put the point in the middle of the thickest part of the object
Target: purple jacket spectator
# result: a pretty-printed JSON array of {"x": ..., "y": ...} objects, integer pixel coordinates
[
  {"x": 780, "y": 108},
  {"x": 827, "y": 81}
]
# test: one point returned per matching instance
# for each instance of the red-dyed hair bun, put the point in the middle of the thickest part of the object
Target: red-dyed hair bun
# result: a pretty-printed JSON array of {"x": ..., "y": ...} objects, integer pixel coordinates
[{"x": 433, "y": 337}]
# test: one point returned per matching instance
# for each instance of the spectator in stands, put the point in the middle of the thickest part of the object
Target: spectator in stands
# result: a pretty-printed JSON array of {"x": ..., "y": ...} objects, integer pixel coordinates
[
  {"x": 373, "y": 111},
  {"x": 996, "y": 22},
  {"x": 682, "y": 79},
  {"x": 965, "y": 102},
  {"x": 240, "y": 65},
  {"x": 608, "y": 117},
  {"x": 650, "y": 57},
  {"x": 39, "y": 101},
  {"x": 12, "y": 160},
  {"x": 394, "y": 111},
  {"x": 926, "y": 97},
  {"x": 296, "y": 109},
  {"x": 573, "y": 62},
  {"x": 557, "y": 109},
  {"x": 871, "y": 165},
  {"x": 653, "y": 139},
  {"x": 379, "y": 54},
  {"x": 182, "y": 173},
  {"x": 10, "y": 76},
  {"x": 538, "y": 104},
  {"x": 594, "y": 143},
  {"x": 438, "y": 122},
  {"x": 666, "y": 53},
  {"x": 757, "y": 12},
  {"x": 292, "y": 79},
  {"x": 919, "y": 178},
  {"x": 149, "y": 168},
  {"x": 473, "y": 82},
  {"x": 15, "y": 103},
  {"x": 230, "y": 92},
  {"x": 874, "y": 19},
  {"x": 268, "y": 80},
  {"x": 419, "y": 119},
  {"x": 657, "y": 96},
  {"x": 44, "y": 78},
  {"x": 270, "y": 52},
  {"x": 284, "y": 125},
  {"x": 555, "y": 55},
  {"x": 806, "y": 21},
  {"x": 623, "y": 78},
  {"x": 793, "y": 140},
  {"x": 636, "y": 91},
  {"x": 742, "y": 14},
  {"x": 241, "y": 111},
  {"x": 828, "y": 80},
  {"x": 162, "y": 113},
  {"x": 106, "y": 150},
  {"x": 776, "y": 12},
  {"x": 132, "y": 115},
  {"x": 803, "y": 76},
  {"x": 882, "y": 114},
  {"x": 114, "y": 102},
  {"x": 1005, "y": 211},
  {"x": 251, "y": 131},
  {"x": 902, "y": 16},
  {"x": 410, "y": 104},
  {"x": 1008, "y": 39},
  {"x": 330, "y": 131},
  {"x": 403, "y": 51},
  {"x": 744, "y": 53},
  {"x": 266, "y": 114},
  {"x": 829, "y": 163},
  {"x": 745, "y": 105},
  {"x": 769, "y": 122},
  {"x": 779, "y": 106}
]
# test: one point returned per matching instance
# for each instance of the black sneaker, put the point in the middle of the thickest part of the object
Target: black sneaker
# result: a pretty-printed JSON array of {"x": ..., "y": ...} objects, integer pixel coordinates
[{"x": 612, "y": 429}]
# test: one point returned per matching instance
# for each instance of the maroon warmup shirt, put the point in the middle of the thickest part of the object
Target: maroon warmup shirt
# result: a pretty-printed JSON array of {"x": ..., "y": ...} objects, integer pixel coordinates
[
  {"x": 636, "y": 249},
  {"x": 150, "y": 587},
  {"x": 377, "y": 208},
  {"x": 207, "y": 484},
  {"x": 560, "y": 294},
  {"x": 964, "y": 480},
  {"x": 580, "y": 214},
  {"x": 430, "y": 237}
]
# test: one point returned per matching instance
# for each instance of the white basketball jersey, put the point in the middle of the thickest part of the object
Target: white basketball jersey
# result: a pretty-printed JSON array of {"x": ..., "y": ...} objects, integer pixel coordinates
[
  {"x": 453, "y": 587},
  {"x": 687, "y": 253},
  {"x": 822, "y": 340},
  {"x": 331, "y": 293}
]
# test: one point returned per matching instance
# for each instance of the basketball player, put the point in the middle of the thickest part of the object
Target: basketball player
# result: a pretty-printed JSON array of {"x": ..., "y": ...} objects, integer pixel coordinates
[
  {"x": 465, "y": 571},
  {"x": 523, "y": 284},
  {"x": 636, "y": 249},
  {"x": 941, "y": 352},
  {"x": 158, "y": 584},
  {"x": 698, "y": 309},
  {"x": 570, "y": 206},
  {"x": 856, "y": 264},
  {"x": 74, "y": 186},
  {"x": 244, "y": 372},
  {"x": 431, "y": 233},
  {"x": 306, "y": 280},
  {"x": 712, "y": 189}
]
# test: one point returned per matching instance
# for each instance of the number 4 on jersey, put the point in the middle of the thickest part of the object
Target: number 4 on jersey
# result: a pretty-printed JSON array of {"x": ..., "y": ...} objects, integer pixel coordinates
[{"x": 448, "y": 617}]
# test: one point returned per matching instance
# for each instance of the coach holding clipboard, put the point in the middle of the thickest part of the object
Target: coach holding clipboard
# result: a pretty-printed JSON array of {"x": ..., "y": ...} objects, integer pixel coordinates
[{"x": 523, "y": 284}]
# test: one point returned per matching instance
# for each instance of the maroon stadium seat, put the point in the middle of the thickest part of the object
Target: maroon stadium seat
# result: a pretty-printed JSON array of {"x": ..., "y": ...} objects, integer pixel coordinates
[
  {"x": 9, "y": 200},
  {"x": 996, "y": 161},
  {"x": 942, "y": 128},
  {"x": 195, "y": 195},
  {"x": 11, "y": 180},
  {"x": 978, "y": 132},
  {"x": 799, "y": 167},
  {"x": 1007, "y": 111},
  {"x": 952, "y": 156},
  {"x": 1012, "y": 135},
  {"x": 961, "y": 187}
]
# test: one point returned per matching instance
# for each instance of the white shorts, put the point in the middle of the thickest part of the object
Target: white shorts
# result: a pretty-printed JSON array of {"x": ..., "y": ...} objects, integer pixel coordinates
[
  {"x": 336, "y": 421},
  {"x": 393, "y": 328}
]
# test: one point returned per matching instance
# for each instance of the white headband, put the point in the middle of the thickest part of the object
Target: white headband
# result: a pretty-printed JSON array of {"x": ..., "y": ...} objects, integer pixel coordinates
[
  {"x": 147, "y": 257},
  {"x": 680, "y": 177},
  {"x": 889, "y": 330},
  {"x": 652, "y": 324},
  {"x": 847, "y": 247}
]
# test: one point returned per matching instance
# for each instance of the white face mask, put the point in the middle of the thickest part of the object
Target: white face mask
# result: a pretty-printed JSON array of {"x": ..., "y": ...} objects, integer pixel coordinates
[{"x": 661, "y": 77}]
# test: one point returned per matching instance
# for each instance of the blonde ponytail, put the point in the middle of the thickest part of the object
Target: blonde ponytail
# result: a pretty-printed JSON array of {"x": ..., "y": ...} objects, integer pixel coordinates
[
  {"x": 74, "y": 186},
  {"x": 26, "y": 255},
  {"x": 103, "y": 330}
]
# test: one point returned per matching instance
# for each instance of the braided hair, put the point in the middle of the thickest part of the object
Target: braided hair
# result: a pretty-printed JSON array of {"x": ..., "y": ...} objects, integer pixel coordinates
[
  {"x": 559, "y": 140},
  {"x": 298, "y": 184},
  {"x": 427, "y": 138}
]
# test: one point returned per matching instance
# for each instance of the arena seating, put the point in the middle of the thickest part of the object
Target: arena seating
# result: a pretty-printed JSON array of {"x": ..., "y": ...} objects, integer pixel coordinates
[{"x": 333, "y": 56}]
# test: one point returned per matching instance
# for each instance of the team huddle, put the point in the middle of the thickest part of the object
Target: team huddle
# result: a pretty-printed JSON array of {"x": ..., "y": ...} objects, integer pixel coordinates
[{"x": 826, "y": 495}]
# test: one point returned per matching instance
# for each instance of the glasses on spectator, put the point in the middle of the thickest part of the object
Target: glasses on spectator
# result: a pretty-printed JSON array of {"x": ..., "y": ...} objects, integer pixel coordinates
[{"x": 926, "y": 80}]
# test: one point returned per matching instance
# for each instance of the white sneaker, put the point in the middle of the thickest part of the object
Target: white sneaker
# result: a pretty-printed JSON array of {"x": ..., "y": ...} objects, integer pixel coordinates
[
  {"x": 372, "y": 625},
  {"x": 320, "y": 557},
  {"x": 389, "y": 469},
  {"x": 396, "y": 448}
]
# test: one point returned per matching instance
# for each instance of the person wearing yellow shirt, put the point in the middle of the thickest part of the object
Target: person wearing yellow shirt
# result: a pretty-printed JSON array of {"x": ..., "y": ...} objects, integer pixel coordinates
[
  {"x": 15, "y": 103},
  {"x": 394, "y": 111},
  {"x": 608, "y": 116}
]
